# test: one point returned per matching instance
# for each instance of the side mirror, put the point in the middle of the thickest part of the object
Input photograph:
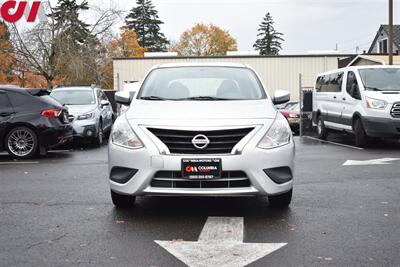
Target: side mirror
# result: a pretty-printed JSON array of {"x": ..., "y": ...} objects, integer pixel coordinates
[
  {"x": 123, "y": 98},
  {"x": 281, "y": 97},
  {"x": 104, "y": 103}
]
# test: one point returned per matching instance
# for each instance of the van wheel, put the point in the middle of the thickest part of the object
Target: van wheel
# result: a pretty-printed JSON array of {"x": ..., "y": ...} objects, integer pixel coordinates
[
  {"x": 22, "y": 143},
  {"x": 359, "y": 132},
  {"x": 281, "y": 201},
  {"x": 322, "y": 132},
  {"x": 122, "y": 201}
]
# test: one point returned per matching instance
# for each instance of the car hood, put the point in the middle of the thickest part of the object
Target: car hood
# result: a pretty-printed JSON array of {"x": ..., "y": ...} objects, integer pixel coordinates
[
  {"x": 390, "y": 97},
  {"x": 200, "y": 110},
  {"x": 80, "y": 109}
]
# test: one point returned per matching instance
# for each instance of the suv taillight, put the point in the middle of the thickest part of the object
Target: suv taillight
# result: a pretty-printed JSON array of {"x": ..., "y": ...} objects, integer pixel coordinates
[{"x": 52, "y": 113}]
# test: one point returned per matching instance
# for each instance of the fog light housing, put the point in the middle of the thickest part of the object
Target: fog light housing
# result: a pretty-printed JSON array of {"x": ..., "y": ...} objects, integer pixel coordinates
[
  {"x": 89, "y": 133},
  {"x": 280, "y": 175},
  {"x": 122, "y": 175}
]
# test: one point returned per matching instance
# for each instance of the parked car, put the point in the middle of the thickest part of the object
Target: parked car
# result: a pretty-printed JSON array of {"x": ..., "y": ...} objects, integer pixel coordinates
[
  {"x": 361, "y": 100},
  {"x": 292, "y": 114},
  {"x": 90, "y": 112},
  {"x": 202, "y": 130},
  {"x": 286, "y": 105},
  {"x": 31, "y": 122}
]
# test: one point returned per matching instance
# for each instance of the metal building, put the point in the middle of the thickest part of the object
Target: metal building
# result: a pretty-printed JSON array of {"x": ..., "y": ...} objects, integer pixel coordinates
[{"x": 277, "y": 72}]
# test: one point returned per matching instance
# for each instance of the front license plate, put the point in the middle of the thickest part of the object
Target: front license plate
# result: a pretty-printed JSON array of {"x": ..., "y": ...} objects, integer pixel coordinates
[{"x": 201, "y": 169}]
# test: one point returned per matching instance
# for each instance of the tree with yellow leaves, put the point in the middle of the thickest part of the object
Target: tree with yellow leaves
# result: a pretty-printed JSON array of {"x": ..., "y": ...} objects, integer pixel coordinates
[
  {"x": 126, "y": 45},
  {"x": 204, "y": 40}
]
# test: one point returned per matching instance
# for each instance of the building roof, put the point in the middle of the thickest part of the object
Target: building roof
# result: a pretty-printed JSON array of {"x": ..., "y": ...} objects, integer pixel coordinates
[{"x": 385, "y": 28}]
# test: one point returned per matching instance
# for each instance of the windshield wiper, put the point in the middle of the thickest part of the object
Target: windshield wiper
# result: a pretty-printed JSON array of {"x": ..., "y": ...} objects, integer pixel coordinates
[
  {"x": 154, "y": 98},
  {"x": 205, "y": 98},
  {"x": 373, "y": 89}
]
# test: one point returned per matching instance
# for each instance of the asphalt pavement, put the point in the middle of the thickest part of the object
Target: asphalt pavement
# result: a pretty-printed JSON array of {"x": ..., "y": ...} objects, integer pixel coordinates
[{"x": 56, "y": 211}]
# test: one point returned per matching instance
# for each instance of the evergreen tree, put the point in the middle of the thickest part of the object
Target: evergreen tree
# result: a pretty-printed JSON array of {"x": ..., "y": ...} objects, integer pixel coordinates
[
  {"x": 269, "y": 41},
  {"x": 66, "y": 15},
  {"x": 144, "y": 20}
]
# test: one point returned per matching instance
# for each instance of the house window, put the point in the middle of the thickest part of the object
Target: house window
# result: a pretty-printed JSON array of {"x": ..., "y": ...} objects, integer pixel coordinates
[{"x": 383, "y": 46}]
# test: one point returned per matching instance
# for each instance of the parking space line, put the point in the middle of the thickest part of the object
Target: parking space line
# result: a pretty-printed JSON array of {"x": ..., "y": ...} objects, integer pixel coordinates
[
  {"x": 19, "y": 162},
  {"x": 333, "y": 143}
]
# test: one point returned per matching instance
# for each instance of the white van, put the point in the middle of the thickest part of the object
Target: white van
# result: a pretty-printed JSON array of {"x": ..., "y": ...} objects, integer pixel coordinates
[{"x": 361, "y": 100}]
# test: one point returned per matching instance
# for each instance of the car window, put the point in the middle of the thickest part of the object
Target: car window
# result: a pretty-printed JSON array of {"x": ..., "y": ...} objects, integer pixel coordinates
[
  {"x": 4, "y": 102},
  {"x": 17, "y": 99},
  {"x": 381, "y": 79},
  {"x": 352, "y": 87},
  {"x": 331, "y": 83},
  {"x": 74, "y": 97},
  {"x": 196, "y": 83}
]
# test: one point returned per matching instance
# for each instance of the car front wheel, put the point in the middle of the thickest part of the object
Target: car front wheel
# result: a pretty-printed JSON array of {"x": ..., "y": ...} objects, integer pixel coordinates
[
  {"x": 322, "y": 132},
  {"x": 99, "y": 139},
  {"x": 359, "y": 132},
  {"x": 281, "y": 201},
  {"x": 122, "y": 201},
  {"x": 22, "y": 143}
]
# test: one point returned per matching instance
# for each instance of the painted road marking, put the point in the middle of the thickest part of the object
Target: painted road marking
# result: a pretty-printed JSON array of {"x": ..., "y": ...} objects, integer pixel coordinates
[
  {"x": 220, "y": 244},
  {"x": 19, "y": 162},
  {"x": 333, "y": 143},
  {"x": 384, "y": 161}
]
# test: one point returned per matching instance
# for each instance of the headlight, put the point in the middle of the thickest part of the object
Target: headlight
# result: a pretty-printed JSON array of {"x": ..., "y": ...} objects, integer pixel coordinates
[
  {"x": 86, "y": 116},
  {"x": 376, "y": 104},
  {"x": 123, "y": 135},
  {"x": 278, "y": 135}
]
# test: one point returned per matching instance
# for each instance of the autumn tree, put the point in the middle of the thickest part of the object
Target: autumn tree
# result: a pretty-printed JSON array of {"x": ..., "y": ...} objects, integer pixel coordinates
[
  {"x": 6, "y": 55},
  {"x": 269, "y": 41},
  {"x": 125, "y": 45},
  {"x": 54, "y": 51},
  {"x": 144, "y": 20},
  {"x": 204, "y": 40}
]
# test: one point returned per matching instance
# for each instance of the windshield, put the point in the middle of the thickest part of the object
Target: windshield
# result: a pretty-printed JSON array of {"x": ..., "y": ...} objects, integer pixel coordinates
[
  {"x": 387, "y": 79},
  {"x": 74, "y": 97},
  {"x": 202, "y": 84}
]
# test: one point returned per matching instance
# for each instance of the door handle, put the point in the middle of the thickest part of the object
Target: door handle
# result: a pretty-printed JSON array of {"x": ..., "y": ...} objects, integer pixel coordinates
[{"x": 334, "y": 97}]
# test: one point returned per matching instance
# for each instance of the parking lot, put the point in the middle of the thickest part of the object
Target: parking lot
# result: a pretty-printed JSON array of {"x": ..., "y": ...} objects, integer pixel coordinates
[{"x": 56, "y": 211}]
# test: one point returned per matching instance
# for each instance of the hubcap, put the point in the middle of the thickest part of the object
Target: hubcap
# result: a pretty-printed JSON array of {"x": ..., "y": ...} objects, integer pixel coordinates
[{"x": 21, "y": 143}]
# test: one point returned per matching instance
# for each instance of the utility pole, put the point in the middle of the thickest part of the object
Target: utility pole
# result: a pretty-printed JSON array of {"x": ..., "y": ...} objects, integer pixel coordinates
[{"x": 390, "y": 32}]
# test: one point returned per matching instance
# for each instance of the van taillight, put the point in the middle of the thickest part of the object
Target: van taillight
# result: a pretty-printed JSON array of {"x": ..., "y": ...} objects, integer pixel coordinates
[{"x": 52, "y": 113}]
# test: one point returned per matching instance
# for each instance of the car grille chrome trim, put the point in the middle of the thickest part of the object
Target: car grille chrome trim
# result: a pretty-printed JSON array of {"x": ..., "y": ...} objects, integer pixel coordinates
[
  {"x": 395, "y": 111},
  {"x": 173, "y": 179},
  {"x": 181, "y": 141}
]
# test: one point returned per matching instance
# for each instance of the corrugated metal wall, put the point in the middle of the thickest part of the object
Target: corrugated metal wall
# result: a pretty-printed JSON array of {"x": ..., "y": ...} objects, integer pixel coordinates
[{"x": 276, "y": 72}]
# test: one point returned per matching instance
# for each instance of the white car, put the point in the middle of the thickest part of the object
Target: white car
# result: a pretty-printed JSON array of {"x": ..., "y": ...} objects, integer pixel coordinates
[
  {"x": 201, "y": 130},
  {"x": 361, "y": 100}
]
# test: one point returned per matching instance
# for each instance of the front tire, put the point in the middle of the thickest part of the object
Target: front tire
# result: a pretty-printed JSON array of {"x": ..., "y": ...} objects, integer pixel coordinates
[
  {"x": 22, "y": 143},
  {"x": 281, "y": 201},
  {"x": 99, "y": 139},
  {"x": 122, "y": 201},
  {"x": 360, "y": 134},
  {"x": 322, "y": 132}
]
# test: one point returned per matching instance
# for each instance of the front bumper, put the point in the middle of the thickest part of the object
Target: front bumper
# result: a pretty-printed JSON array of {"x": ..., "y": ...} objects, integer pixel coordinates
[
  {"x": 85, "y": 129},
  {"x": 252, "y": 161},
  {"x": 381, "y": 127}
]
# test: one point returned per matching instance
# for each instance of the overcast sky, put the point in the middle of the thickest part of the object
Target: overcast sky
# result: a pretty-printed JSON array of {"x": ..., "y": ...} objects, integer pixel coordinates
[{"x": 306, "y": 24}]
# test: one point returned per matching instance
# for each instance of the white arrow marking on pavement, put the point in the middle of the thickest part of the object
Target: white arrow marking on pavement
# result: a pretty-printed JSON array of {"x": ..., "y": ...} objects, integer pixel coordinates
[
  {"x": 384, "y": 161},
  {"x": 220, "y": 244}
]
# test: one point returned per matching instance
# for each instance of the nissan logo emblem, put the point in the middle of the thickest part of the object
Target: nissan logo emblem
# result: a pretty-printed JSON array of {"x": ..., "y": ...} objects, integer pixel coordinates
[{"x": 200, "y": 141}]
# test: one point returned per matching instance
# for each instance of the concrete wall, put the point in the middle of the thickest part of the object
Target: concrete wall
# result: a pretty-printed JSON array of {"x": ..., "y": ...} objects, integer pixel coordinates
[{"x": 280, "y": 72}]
